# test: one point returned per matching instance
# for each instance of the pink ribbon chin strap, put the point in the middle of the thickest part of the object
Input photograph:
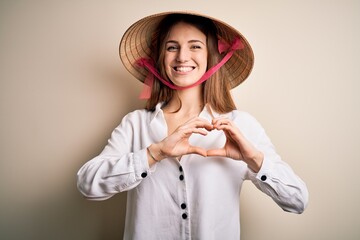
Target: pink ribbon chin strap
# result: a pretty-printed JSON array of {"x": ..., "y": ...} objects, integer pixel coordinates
[{"x": 150, "y": 66}]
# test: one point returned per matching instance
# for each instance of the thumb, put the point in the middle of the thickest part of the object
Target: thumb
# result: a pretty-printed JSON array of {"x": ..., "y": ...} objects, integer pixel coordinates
[
  {"x": 198, "y": 150},
  {"x": 216, "y": 152}
]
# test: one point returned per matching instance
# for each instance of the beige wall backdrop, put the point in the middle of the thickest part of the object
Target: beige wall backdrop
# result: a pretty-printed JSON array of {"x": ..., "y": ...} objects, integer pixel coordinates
[{"x": 63, "y": 90}]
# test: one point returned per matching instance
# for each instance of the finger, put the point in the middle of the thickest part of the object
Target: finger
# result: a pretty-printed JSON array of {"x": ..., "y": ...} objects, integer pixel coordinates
[
  {"x": 233, "y": 134},
  {"x": 237, "y": 137},
  {"x": 233, "y": 131},
  {"x": 196, "y": 123},
  {"x": 189, "y": 131},
  {"x": 199, "y": 131},
  {"x": 225, "y": 124},
  {"x": 221, "y": 121},
  {"x": 200, "y": 123}
]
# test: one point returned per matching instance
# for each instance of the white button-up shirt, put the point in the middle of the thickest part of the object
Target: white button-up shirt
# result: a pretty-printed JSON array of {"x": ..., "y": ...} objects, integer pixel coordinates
[{"x": 194, "y": 198}]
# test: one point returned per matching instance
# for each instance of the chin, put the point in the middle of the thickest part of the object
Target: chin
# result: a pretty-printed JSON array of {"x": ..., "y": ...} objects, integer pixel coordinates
[{"x": 185, "y": 82}]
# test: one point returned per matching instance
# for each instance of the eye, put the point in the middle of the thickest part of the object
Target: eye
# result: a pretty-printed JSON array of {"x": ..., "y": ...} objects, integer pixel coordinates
[
  {"x": 172, "y": 48},
  {"x": 195, "y": 47}
]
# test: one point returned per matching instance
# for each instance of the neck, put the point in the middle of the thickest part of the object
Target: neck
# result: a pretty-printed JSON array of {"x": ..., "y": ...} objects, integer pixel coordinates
[{"x": 191, "y": 101}]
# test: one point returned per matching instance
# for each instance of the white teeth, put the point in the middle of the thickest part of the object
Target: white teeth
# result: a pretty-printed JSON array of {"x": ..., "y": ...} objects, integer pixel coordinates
[{"x": 184, "y": 69}]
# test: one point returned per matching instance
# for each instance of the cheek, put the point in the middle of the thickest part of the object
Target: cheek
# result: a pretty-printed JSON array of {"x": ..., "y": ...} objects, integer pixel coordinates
[
  {"x": 166, "y": 63},
  {"x": 167, "y": 68},
  {"x": 168, "y": 59},
  {"x": 204, "y": 61}
]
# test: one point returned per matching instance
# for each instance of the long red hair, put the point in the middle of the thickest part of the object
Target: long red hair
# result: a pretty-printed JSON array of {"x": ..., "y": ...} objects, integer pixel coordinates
[{"x": 216, "y": 90}]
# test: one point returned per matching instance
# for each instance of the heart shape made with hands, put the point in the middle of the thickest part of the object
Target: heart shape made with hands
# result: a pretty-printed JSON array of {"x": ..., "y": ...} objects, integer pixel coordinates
[
  {"x": 224, "y": 144},
  {"x": 236, "y": 146}
]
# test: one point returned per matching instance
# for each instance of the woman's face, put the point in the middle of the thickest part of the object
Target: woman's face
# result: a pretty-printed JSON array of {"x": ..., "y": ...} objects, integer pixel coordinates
[{"x": 185, "y": 56}]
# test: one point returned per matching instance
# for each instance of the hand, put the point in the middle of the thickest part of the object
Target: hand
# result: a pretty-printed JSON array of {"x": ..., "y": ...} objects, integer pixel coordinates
[
  {"x": 177, "y": 144},
  {"x": 236, "y": 146}
]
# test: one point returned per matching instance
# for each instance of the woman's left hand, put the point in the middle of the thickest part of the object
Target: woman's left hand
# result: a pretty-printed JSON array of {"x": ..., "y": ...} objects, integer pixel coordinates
[{"x": 236, "y": 146}]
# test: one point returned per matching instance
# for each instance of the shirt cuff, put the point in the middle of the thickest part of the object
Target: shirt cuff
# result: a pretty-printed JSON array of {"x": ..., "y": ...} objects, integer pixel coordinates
[
  {"x": 141, "y": 164},
  {"x": 265, "y": 171}
]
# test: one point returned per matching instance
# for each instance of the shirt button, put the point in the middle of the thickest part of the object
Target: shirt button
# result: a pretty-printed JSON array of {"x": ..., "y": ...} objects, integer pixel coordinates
[
  {"x": 184, "y": 216},
  {"x": 181, "y": 177},
  {"x": 263, "y": 178},
  {"x": 183, "y": 206},
  {"x": 143, "y": 175},
  {"x": 180, "y": 169}
]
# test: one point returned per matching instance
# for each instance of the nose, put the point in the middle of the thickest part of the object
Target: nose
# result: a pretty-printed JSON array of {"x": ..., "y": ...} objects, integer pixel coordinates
[{"x": 183, "y": 55}]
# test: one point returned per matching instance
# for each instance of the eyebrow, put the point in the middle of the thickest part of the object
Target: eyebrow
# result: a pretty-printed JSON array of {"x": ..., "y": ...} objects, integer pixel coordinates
[{"x": 190, "y": 41}]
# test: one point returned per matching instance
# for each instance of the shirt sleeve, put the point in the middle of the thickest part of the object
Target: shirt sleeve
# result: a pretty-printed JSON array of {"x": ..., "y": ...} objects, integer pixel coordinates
[
  {"x": 118, "y": 167},
  {"x": 276, "y": 178}
]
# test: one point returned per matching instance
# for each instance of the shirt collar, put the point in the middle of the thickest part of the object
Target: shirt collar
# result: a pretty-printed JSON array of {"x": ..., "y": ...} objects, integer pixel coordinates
[
  {"x": 157, "y": 112},
  {"x": 207, "y": 113}
]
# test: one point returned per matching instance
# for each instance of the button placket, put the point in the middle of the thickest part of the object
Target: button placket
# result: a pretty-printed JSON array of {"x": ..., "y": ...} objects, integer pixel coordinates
[
  {"x": 183, "y": 205},
  {"x": 181, "y": 176}
]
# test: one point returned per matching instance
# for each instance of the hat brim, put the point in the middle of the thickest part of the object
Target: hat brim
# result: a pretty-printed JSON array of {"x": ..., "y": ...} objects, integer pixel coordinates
[{"x": 136, "y": 41}]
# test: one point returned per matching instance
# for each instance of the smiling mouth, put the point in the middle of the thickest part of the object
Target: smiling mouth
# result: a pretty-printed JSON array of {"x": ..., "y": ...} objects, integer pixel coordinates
[{"x": 183, "y": 69}]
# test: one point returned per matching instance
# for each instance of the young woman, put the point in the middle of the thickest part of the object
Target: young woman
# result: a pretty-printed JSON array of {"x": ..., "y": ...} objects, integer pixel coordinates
[{"x": 184, "y": 158}]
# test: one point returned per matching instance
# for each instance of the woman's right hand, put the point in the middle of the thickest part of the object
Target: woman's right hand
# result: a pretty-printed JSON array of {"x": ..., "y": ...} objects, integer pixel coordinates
[{"x": 177, "y": 143}]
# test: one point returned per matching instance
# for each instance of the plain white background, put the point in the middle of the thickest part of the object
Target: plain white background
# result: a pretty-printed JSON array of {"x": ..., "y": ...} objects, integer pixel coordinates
[{"x": 63, "y": 90}]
